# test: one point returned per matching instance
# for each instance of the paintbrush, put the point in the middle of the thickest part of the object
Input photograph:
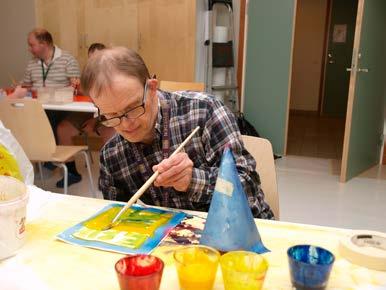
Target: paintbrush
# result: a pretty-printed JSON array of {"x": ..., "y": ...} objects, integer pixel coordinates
[
  {"x": 144, "y": 187},
  {"x": 14, "y": 82}
]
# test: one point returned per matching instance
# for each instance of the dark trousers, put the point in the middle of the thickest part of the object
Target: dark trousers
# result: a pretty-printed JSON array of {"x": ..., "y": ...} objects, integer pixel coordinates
[{"x": 55, "y": 117}]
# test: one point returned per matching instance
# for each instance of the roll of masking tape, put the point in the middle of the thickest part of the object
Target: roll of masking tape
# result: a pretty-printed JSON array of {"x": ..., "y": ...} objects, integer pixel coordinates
[{"x": 365, "y": 248}]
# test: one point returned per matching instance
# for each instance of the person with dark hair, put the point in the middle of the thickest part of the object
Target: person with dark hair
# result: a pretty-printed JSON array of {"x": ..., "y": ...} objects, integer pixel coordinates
[
  {"x": 67, "y": 129},
  {"x": 151, "y": 124},
  {"x": 94, "y": 47}
]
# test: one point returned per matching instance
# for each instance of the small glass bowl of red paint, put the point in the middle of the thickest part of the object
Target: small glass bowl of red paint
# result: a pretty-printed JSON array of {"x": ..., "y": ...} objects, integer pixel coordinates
[{"x": 139, "y": 272}]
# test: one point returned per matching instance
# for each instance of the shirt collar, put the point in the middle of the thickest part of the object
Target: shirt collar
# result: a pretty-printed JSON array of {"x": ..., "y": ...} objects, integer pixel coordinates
[{"x": 57, "y": 54}]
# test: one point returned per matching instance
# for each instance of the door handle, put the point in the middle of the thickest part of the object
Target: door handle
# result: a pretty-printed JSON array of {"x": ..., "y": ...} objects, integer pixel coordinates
[{"x": 358, "y": 70}]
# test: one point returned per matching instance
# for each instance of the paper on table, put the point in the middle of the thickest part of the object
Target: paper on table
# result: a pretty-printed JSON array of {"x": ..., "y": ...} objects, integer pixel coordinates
[
  {"x": 16, "y": 276},
  {"x": 39, "y": 200}
]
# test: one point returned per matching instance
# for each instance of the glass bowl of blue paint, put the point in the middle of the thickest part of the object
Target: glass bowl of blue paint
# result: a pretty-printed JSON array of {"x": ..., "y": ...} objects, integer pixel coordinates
[{"x": 310, "y": 266}]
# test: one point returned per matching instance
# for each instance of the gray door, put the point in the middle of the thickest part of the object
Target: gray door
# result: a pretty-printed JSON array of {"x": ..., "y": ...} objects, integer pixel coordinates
[
  {"x": 365, "y": 111},
  {"x": 268, "y": 66},
  {"x": 339, "y": 55}
]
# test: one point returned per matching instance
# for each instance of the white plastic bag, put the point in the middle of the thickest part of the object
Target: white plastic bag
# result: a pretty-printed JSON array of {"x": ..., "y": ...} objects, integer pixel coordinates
[{"x": 11, "y": 144}]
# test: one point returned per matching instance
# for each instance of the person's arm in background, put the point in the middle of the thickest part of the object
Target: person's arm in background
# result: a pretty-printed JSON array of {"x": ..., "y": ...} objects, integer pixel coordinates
[
  {"x": 73, "y": 72},
  {"x": 75, "y": 82}
]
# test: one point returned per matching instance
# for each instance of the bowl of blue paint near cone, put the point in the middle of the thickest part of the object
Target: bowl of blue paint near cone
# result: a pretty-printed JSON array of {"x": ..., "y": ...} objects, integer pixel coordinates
[{"x": 310, "y": 266}]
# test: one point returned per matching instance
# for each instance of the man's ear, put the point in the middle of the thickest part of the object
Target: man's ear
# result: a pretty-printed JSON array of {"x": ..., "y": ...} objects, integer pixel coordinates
[{"x": 152, "y": 84}]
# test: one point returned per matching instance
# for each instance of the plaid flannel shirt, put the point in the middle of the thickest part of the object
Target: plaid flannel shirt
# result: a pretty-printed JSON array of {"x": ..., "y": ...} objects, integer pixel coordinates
[{"x": 120, "y": 176}]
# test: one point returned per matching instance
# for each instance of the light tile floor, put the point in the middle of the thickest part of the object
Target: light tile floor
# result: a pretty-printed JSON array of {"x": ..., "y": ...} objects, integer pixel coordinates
[
  {"x": 309, "y": 189},
  {"x": 310, "y": 192},
  {"x": 82, "y": 188}
]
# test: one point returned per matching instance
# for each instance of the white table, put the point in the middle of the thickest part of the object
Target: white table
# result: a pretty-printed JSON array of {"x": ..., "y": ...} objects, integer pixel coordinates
[
  {"x": 85, "y": 107},
  {"x": 45, "y": 263}
]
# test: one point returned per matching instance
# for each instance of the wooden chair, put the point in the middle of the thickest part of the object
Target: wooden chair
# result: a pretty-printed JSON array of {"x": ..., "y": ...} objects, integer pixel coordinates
[
  {"x": 29, "y": 124},
  {"x": 261, "y": 150},
  {"x": 170, "y": 86}
]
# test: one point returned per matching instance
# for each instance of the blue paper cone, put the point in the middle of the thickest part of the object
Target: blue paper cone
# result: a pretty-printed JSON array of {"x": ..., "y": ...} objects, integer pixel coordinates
[{"x": 230, "y": 225}]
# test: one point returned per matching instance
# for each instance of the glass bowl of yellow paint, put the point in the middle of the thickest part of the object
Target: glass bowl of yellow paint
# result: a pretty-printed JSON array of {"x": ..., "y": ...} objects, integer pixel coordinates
[
  {"x": 243, "y": 270},
  {"x": 196, "y": 267}
]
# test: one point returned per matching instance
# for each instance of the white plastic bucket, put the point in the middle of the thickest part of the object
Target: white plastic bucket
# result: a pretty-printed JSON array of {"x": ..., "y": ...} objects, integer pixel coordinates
[{"x": 13, "y": 204}]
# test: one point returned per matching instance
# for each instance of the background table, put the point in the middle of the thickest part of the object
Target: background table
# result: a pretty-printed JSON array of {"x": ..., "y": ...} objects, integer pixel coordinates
[
  {"x": 46, "y": 263},
  {"x": 86, "y": 107}
]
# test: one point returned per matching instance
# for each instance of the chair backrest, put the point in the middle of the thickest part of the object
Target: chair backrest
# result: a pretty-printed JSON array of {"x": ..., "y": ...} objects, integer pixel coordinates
[
  {"x": 181, "y": 86},
  {"x": 29, "y": 124},
  {"x": 261, "y": 150}
]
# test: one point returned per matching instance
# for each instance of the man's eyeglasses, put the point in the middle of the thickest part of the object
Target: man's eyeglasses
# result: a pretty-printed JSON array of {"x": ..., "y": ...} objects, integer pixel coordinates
[{"x": 133, "y": 113}]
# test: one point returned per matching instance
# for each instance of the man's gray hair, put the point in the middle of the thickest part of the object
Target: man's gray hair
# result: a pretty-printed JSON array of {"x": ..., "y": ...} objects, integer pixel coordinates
[{"x": 101, "y": 67}]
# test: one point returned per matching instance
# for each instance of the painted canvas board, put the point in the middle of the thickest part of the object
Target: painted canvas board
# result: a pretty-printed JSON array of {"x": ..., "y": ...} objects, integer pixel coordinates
[{"x": 141, "y": 229}]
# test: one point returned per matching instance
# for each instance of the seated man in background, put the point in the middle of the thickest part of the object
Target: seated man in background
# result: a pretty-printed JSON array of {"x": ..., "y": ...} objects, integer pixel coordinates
[
  {"x": 151, "y": 124},
  {"x": 50, "y": 66},
  {"x": 53, "y": 67}
]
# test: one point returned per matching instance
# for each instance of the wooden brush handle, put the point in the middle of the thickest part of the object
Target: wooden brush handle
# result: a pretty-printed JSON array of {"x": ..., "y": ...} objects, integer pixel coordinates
[{"x": 149, "y": 182}]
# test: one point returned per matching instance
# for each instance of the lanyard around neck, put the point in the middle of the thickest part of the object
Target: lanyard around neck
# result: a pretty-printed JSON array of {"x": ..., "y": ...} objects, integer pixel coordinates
[{"x": 45, "y": 72}]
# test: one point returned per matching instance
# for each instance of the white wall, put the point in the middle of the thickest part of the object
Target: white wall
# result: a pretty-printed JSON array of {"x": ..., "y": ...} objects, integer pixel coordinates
[
  {"x": 308, "y": 53},
  {"x": 17, "y": 18}
]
